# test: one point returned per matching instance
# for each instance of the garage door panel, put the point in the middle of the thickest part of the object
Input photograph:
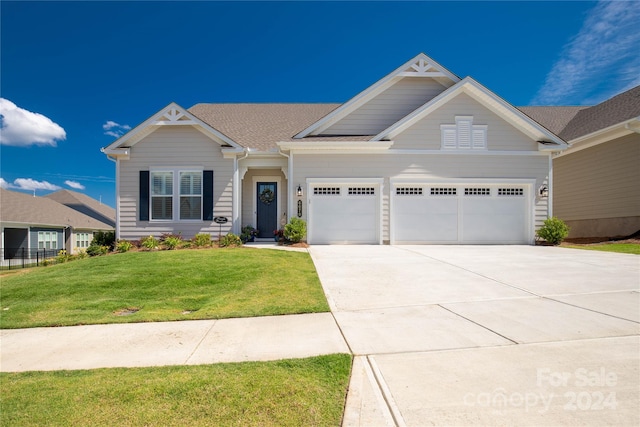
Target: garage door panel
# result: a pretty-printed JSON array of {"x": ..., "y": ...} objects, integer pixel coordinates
[{"x": 421, "y": 219}]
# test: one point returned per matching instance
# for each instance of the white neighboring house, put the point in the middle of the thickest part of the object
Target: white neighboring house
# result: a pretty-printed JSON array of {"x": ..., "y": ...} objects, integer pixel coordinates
[
  {"x": 421, "y": 156},
  {"x": 61, "y": 220}
]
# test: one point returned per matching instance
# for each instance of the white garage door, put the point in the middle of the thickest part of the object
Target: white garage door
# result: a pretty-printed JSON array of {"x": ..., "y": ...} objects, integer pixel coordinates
[
  {"x": 460, "y": 214},
  {"x": 344, "y": 214}
]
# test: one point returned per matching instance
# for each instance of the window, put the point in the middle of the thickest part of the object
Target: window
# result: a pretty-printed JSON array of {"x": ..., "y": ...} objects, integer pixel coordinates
[
  {"x": 477, "y": 191},
  {"x": 320, "y": 191},
  {"x": 47, "y": 240},
  {"x": 409, "y": 191},
  {"x": 464, "y": 135},
  {"x": 362, "y": 191},
  {"x": 183, "y": 197},
  {"x": 443, "y": 191},
  {"x": 83, "y": 240},
  {"x": 510, "y": 191}
]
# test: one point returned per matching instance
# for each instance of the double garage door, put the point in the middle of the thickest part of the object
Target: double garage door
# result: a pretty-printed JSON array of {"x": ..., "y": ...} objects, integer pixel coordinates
[{"x": 420, "y": 214}]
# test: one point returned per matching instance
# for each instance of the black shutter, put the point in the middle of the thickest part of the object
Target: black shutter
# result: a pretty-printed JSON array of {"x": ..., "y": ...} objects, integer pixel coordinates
[
  {"x": 207, "y": 195},
  {"x": 144, "y": 196}
]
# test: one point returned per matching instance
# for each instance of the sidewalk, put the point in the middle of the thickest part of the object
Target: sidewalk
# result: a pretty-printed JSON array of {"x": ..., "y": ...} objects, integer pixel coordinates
[{"x": 170, "y": 343}]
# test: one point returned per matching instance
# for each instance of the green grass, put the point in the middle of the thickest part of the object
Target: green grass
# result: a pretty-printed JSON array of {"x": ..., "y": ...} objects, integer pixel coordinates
[
  {"x": 301, "y": 392},
  {"x": 162, "y": 286},
  {"x": 623, "y": 248}
]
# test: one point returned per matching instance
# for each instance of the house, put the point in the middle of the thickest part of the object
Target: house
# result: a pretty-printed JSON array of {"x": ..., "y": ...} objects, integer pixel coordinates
[
  {"x": 597, "y": 179},
  {"x": 421, "y": 156},
  {"x": 61, "y": 220}
]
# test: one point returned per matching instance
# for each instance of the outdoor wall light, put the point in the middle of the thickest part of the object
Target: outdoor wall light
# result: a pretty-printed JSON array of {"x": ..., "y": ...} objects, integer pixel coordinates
[
  {"x": 299, "y": 191},
  {"x": 543, "y": 191}
]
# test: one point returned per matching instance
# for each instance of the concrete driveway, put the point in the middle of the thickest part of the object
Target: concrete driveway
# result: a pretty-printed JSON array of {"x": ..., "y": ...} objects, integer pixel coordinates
[{"x": 477, "y": 335}]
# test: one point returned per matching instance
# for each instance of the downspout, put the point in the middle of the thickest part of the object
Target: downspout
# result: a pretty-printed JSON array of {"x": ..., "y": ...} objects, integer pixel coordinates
[
  {"x": 550, "y": 196},
  {"x": 236, "y": 191},
  {"x": 289, "y": 181}
]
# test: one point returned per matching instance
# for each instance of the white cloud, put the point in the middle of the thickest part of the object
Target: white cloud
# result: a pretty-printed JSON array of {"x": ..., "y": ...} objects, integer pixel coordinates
[
  {"x": 32, "y": 184},
  {"x": 74, "y": 184},
  {"x": 4, "y": 184},
  {"x": 115, "y": 129},
  {"x": 602, "y": 60},
  {"x": 22, "y": 127}
]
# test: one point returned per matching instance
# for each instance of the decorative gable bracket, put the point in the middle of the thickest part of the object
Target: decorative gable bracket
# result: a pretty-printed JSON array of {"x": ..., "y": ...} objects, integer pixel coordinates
[
  {"x": 422, "y": 68},
  {"x": 173, "y": 116}
]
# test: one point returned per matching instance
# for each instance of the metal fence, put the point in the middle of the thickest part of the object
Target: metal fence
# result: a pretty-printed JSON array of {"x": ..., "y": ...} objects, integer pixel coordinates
[{"x": 11, "y": 258}]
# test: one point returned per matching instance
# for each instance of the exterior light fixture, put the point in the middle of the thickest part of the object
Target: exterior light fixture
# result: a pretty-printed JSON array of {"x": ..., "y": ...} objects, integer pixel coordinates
[
  {"x": 299, "y": 191},
  {"x": 543, "y": 191}
]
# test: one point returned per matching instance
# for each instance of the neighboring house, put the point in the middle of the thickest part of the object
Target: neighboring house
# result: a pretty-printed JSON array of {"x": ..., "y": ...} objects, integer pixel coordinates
[
  {"x": 597, "y": 180},
  {"x": 421, "y": 156},
  {"x": 63, "y": 220}
]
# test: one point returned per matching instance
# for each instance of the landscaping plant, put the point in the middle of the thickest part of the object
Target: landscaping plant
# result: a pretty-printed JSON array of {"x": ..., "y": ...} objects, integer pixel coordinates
[
  {"x": 295, "y": 230},
  {"x": 553, "y": 231}
]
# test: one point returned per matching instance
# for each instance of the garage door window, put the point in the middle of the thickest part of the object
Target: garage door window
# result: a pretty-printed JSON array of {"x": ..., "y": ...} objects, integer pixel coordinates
[
  {"x": 326, "y": 191},
  {"x": 452, "y": 191},
  {"x": 409, "y": 191},
  {"x": 510, "y": 192},
  {"x": 362, "y": 191},
  {"x": 477, "y": 191}
]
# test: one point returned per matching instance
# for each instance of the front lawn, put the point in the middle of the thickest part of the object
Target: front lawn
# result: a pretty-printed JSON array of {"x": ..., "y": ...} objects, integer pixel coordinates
[
  {"x": 624, "y": 248},
  {"x": 301, "y": 392},
  {"x": 162, "y": 286}
]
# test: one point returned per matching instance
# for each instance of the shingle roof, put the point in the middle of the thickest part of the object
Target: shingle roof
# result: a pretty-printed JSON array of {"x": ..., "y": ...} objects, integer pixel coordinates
[
  {"x": 86, "y": 205},
  {"x": 553, "y": 118},
  {"x": 615, "y": 110},
  {"x": 27, "y": 209},
  {"x": 260, "y": 126}
]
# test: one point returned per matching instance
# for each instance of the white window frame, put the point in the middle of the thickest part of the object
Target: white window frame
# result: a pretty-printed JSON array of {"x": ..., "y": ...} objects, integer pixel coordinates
[
  {"x": 47, "y": 240},
  {"x": 176, "y": 196},
  {"x": 83, "y": 240},
  {"x": 463, "y": 135}
]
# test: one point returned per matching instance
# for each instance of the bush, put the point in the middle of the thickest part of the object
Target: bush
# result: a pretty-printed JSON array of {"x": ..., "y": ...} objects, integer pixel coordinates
[
  {"x": 172, "y": 242},
  {"x": 149, "y": 243},
  {"x": 97, "y": 250},
  {"x": 63, "y": 256},
  {"x": 81, "y": 254},
  {"x": 201, "y": 239},
  {"x": 295, "y": 230},
  {"x": 230, "y": 240},
  {"x": 553, "y": 231},
  {"x": 124, "y": 246},
  {"x": 104, "y": 238}
]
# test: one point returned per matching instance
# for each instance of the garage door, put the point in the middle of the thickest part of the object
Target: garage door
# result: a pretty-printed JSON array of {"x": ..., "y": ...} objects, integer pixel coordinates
[
  {"x": 460, "y": 214},
  {"x": 344, "y": 214}
]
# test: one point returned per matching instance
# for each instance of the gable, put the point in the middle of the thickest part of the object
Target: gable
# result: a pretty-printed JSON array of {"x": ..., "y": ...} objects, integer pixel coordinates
[
  {"x": 426, "y": 132},
  {"x": 388, "y": 107}
]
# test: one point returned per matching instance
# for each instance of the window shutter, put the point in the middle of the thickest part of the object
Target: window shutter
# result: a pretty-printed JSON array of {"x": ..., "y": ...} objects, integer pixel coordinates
[
  {"x": 464, "y": 134},
  {"x": 448, "y": 136},
  {"x": 144, "y": 196},
  {"x": 207, "y": 195},
  {"x": 479, "y": 137}
]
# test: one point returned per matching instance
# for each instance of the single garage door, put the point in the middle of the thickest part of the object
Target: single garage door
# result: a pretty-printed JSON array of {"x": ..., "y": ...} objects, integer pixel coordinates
[
  {"x": 461, "y": 214},
  {"x": 344, "y": 214}
]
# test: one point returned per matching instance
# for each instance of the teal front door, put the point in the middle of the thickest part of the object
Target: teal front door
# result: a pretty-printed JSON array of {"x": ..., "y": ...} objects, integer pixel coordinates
[{"x": 267, "y": 208}]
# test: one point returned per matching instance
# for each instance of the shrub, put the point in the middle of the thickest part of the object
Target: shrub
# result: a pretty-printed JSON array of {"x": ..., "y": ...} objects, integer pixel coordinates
[
  {"x": 172, "y": 242},
  {"x": 97, "y": 250},
  {"x": 63, "y": 256},
  {"x": 230, "y": 240},
  {"x": 295, "y": 230},
  {"x": 201, "y": 239},
  {"x": 104, "y": 238},
  {"x": 124, "y": 246},
  {"x": 248, "y": 233},
  {"x": 81, "y": 254},
  {"x": 149, "y": 242},
  {"x": 553, "y": 231}
]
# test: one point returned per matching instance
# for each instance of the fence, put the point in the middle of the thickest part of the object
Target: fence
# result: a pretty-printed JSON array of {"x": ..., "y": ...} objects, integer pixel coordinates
[{"x": 11, "y": 258}]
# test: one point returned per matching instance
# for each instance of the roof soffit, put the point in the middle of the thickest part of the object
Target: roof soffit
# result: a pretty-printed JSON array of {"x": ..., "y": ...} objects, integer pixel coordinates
[
  {"x": 171, "y": 115},
  {"x": 486, "y": 98},
  {"x": 419, "y": 66}
]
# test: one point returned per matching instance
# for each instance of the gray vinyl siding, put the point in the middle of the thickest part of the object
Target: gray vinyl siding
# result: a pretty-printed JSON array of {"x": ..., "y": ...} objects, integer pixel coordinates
[
  {"x": 174, "y": 147},
  {"x": 388, "y": 107},
  {"x": 599, "y": 182},
  {"x": 500, "y": 134},
  {"x": 247, "y": 217},
  {"x": 33, "y": 236},
  {"x": 423, "y": 167}
]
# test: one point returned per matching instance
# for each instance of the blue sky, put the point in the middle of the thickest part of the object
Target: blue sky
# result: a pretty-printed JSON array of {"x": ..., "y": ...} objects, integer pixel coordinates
[{"x": 77, "y": 74}]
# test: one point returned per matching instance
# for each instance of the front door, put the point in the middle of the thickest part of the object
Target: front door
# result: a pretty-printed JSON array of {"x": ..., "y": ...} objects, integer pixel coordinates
[{"x": 267, "y": 208}]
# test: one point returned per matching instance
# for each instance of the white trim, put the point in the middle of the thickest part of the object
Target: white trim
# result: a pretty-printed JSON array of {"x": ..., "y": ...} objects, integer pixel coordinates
[
  {"x": 601, "y": 136},
  {"x": 175, "y": 196},
  {"x": 370, "y": 92},
  {"x": 335, "y": 145},
  {"x": 376, "y": 182},
  {"x": 278, "y": 181}
]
